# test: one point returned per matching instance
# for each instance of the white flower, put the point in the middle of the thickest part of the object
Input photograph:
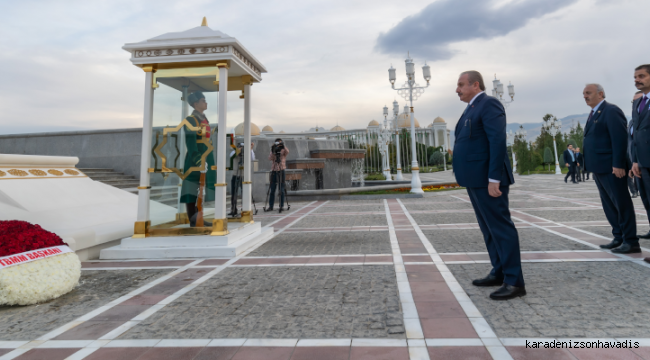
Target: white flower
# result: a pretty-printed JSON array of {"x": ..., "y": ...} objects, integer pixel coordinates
[{"x": 40, "y": 280}]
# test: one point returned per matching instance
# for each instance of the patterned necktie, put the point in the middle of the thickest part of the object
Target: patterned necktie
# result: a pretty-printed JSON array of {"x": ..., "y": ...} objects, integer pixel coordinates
[
  {"x": 644, "y": 102},
  {"x": 589, "y": 118}
]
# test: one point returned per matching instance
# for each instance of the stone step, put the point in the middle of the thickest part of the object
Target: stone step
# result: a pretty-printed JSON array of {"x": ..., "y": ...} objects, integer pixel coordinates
[
  {"x": 124, "y": 184},
  {"x": 111, "y": 177}
]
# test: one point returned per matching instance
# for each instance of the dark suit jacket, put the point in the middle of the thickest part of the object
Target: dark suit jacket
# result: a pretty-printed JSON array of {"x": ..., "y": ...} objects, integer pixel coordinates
[
  {"x": 579, "y": 159},
  {"x": 630, "y": 143},
  {"x": 641, "y": 123},
  {"x": 605, "y": 140},
  {"x": 480, "y": 145},
  {"x": 567, "y": 157}
]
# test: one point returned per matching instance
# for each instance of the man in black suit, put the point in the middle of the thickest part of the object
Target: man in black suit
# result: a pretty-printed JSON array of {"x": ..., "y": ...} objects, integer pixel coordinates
[
  {"x": 482, "y": 166},
  {"x": 605, "y": 142},
  {"x": 580, "y": 164},
  {"x": 570, "y": 162},
  {"x": 641, "y": 134}
]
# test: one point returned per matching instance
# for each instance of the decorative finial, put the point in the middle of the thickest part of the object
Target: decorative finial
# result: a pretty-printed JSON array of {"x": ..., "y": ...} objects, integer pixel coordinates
[
  {"x": 204, "y": 22},
  {"x": 495, "y": 76}
]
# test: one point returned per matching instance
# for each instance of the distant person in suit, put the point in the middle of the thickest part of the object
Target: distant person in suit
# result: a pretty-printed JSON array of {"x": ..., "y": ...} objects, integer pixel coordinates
[
  {"x": 605, "y": 142},
  {"x": 570, "y": 162},
  {"x": 482, "y": 166},
  {"x": 579, "y": 165},
  {"x": 640, "y": 133},
  {"x": 632, "y": 181}
]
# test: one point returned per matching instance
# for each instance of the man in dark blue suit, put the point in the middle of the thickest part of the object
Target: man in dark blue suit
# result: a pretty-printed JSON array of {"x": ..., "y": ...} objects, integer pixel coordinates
[
  {"x": 640, "y": 130},
  {"x": 638, "y": 184},
  {"x": 605, "y": 143},
  {"x": 570, "y": 162},
  {"x": 482, "y": 166}
]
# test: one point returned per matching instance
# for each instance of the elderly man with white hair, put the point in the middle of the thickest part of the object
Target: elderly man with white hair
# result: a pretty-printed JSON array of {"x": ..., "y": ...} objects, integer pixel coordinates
[{"x": 605, "y": 154}]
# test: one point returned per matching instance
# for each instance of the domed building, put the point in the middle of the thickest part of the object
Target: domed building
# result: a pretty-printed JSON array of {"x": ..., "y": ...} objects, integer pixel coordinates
[
  {"x": 267, "y": 130},
  {"x": 373, "y": 123},
  {"x": 239, "y": 130},
  {"x": 337, "y": 128},
  {"x": 404, "y": 119}
]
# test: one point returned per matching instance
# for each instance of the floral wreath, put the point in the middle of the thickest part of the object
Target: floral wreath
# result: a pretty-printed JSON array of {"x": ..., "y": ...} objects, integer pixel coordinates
[{"x": 35, "y": 265}]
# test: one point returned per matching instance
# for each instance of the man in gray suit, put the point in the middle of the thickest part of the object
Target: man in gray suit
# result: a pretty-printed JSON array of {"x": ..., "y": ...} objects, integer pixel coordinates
[{"x": 640, "y": 130}]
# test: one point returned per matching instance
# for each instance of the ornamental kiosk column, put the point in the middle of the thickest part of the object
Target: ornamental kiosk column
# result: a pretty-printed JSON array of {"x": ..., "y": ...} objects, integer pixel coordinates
[
  {"x": 143, "y": 222},
  {"x": 220, "y": 222},
  {"x": 247, "y": 215}
]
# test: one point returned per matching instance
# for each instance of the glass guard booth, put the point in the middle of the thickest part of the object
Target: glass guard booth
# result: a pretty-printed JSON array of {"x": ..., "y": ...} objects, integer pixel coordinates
[{"x": 183, "y": 151}]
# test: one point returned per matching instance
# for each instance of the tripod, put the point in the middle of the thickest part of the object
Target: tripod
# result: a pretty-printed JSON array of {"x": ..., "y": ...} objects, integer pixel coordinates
[
  {"x": 237, "y": 186},
  {"x": 278, "y": 176}
]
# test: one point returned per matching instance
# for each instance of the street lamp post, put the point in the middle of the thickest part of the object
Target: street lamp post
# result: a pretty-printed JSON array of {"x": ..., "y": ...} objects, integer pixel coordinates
[
  {"x": 385, "y": 135},
  {"x": 553, "y": 127},
  {"x": 410, "y": 92},
  {"x": 398, "y": 177},
  {"x": 497, "y": 92}
]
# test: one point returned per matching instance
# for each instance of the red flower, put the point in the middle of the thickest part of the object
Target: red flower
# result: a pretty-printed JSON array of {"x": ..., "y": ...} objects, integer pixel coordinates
[{"x": 20, "y": 236}]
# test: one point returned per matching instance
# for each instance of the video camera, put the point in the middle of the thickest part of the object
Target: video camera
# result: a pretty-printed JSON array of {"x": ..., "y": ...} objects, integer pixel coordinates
[{"x": 277, "y": 147}]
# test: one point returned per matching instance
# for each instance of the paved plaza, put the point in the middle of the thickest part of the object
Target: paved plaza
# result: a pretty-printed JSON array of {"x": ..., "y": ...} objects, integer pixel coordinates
[{"x": 364, "y": 279}]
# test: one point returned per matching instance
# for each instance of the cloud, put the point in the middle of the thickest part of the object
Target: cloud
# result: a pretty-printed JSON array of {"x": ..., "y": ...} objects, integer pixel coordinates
[{"x": 430, "y": 32}]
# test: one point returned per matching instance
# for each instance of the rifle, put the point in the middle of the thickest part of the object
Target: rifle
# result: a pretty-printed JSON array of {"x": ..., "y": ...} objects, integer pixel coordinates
[{"x": 200, "y": 195}]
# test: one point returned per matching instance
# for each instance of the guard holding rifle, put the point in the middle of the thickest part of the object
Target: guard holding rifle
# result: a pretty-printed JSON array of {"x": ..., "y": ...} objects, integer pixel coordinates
[
  {"x": 198, "y": 186},
  {"x": 278, "y": 157}
]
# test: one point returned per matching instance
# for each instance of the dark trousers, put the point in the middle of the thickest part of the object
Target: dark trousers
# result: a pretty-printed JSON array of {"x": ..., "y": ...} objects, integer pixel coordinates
[
  {"x": 277, "y": 179},
  {"x": 499, "y": 232},
  {"x": 572, "y": 172},
  {"x": 643, "y": 185},
  {"x": 579, "y": 173},
  {"x": 618, "y": 207},
  {"x": 235, "y": 185}
]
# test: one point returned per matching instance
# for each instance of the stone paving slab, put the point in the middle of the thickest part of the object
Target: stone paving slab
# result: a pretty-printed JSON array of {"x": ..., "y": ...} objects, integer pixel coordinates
[
  {"x": 577, "y": 299},
  {"x": 350, "y": 208},
  {"x": 536, "y": 203},
  {"x": 606, "y": 231},
  {"x": 438, "y": 206},
  {"x": 326, "y": 243},
  {"x": 287, "y": 302},
  {"x": 588, "y": 214},
  {"x": 471, "y": 240},
  {"x": 341, "y": 220},
  {"x": 445, "y": 218},
  {"x": 95, "y": 289}
]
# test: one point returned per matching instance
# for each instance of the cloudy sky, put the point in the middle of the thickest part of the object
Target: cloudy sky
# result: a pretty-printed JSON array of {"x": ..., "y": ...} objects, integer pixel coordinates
[{"x": 62, "y": 66}]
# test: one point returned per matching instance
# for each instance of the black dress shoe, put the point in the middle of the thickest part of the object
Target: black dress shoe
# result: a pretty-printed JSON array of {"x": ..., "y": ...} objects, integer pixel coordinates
[
  {"x": 634, "y": 195},
  {"x": 614, "y": 244},
  {"x": 627, "y": 249},
  {"x": 646, "y": 236},
  {"x": 565, "y": 180},
  {"x": 489, "y": 280},
  {"x": 506, "y": 292},
  {"x": 647, "y": 259}
]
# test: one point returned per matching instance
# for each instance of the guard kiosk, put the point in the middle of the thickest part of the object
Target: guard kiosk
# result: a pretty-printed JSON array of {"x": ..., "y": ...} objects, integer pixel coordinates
[{"x": 186, "y": 156}]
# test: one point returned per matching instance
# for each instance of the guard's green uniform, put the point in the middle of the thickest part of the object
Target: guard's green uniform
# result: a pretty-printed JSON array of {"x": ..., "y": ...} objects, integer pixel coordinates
[{"x": 195, "y": 150}]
